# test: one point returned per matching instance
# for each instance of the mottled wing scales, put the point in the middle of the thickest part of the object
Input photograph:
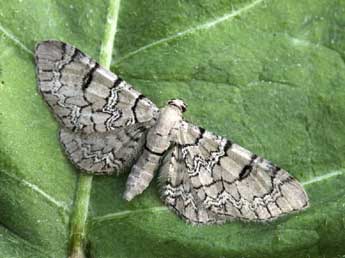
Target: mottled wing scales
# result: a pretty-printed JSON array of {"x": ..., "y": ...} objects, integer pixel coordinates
[
  {"x": 84, "y": 96},
  {"x": 103, "y": 118},
  {"x": 230, "y": 182},
  {"x": 104, "y": 153},
  {"x": 204, "y": 178},
  {"x": 178, "y": 193}
]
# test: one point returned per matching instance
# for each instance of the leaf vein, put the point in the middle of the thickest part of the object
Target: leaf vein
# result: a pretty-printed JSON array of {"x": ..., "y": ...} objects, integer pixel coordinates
[
  {"x": 15, "y": 39},
  {"x": 324, "y": 177},
  {"x": 115, "y": 215},
  {"x": 199, "y": 27},
  {"x": 35, "y": 188}
]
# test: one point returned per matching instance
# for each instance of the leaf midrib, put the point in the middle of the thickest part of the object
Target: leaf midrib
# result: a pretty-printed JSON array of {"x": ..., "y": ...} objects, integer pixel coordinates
[{"x": 83, "y": 189}]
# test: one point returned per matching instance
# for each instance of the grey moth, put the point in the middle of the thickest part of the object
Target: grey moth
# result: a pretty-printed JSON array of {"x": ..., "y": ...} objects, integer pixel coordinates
[{"x": 108, "y": 127}]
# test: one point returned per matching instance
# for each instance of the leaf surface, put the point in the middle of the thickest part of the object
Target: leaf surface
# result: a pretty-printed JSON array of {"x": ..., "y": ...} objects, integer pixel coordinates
[{"x": 267, "y": 74}]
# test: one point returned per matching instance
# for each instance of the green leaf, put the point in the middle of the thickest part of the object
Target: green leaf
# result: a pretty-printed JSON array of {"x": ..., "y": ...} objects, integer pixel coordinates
[{"x": 267, "y": 74}]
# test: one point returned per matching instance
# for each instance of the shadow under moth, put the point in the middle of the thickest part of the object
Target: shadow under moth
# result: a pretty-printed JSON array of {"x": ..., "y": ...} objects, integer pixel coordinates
[{"x": 108, "y": 127}]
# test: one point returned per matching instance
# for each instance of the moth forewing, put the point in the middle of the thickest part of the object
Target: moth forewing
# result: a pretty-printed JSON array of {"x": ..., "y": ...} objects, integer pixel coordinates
[
  {"x": 103, "y": 118},
  {"x": 225, "y": 180}
]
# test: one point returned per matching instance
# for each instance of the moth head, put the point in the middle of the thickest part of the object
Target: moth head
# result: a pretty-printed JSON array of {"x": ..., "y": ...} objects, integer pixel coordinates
[{"x": 178, "y": 103}]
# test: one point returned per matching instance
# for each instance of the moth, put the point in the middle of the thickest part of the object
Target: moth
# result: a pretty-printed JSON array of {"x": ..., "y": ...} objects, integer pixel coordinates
[{"x": 108, "y": 127}]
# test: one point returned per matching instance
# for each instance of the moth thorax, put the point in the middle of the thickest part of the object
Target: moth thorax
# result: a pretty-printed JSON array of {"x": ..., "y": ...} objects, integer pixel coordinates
[{"x": 179, "y": 104}]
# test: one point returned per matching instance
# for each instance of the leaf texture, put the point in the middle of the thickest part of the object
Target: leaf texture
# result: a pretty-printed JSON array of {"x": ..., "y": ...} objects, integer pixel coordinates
[{"x": 266, "y": 73}]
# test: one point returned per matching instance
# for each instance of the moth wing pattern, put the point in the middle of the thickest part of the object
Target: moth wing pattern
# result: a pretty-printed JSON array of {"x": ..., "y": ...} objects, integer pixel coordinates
[
  {"x": 104, "y": 153},
  {"x": 225, "y": 180},
  {"x": 84, "y": 96},
  {"x": 178, "y": 192},
  {"x": 103, "y": 119}
]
